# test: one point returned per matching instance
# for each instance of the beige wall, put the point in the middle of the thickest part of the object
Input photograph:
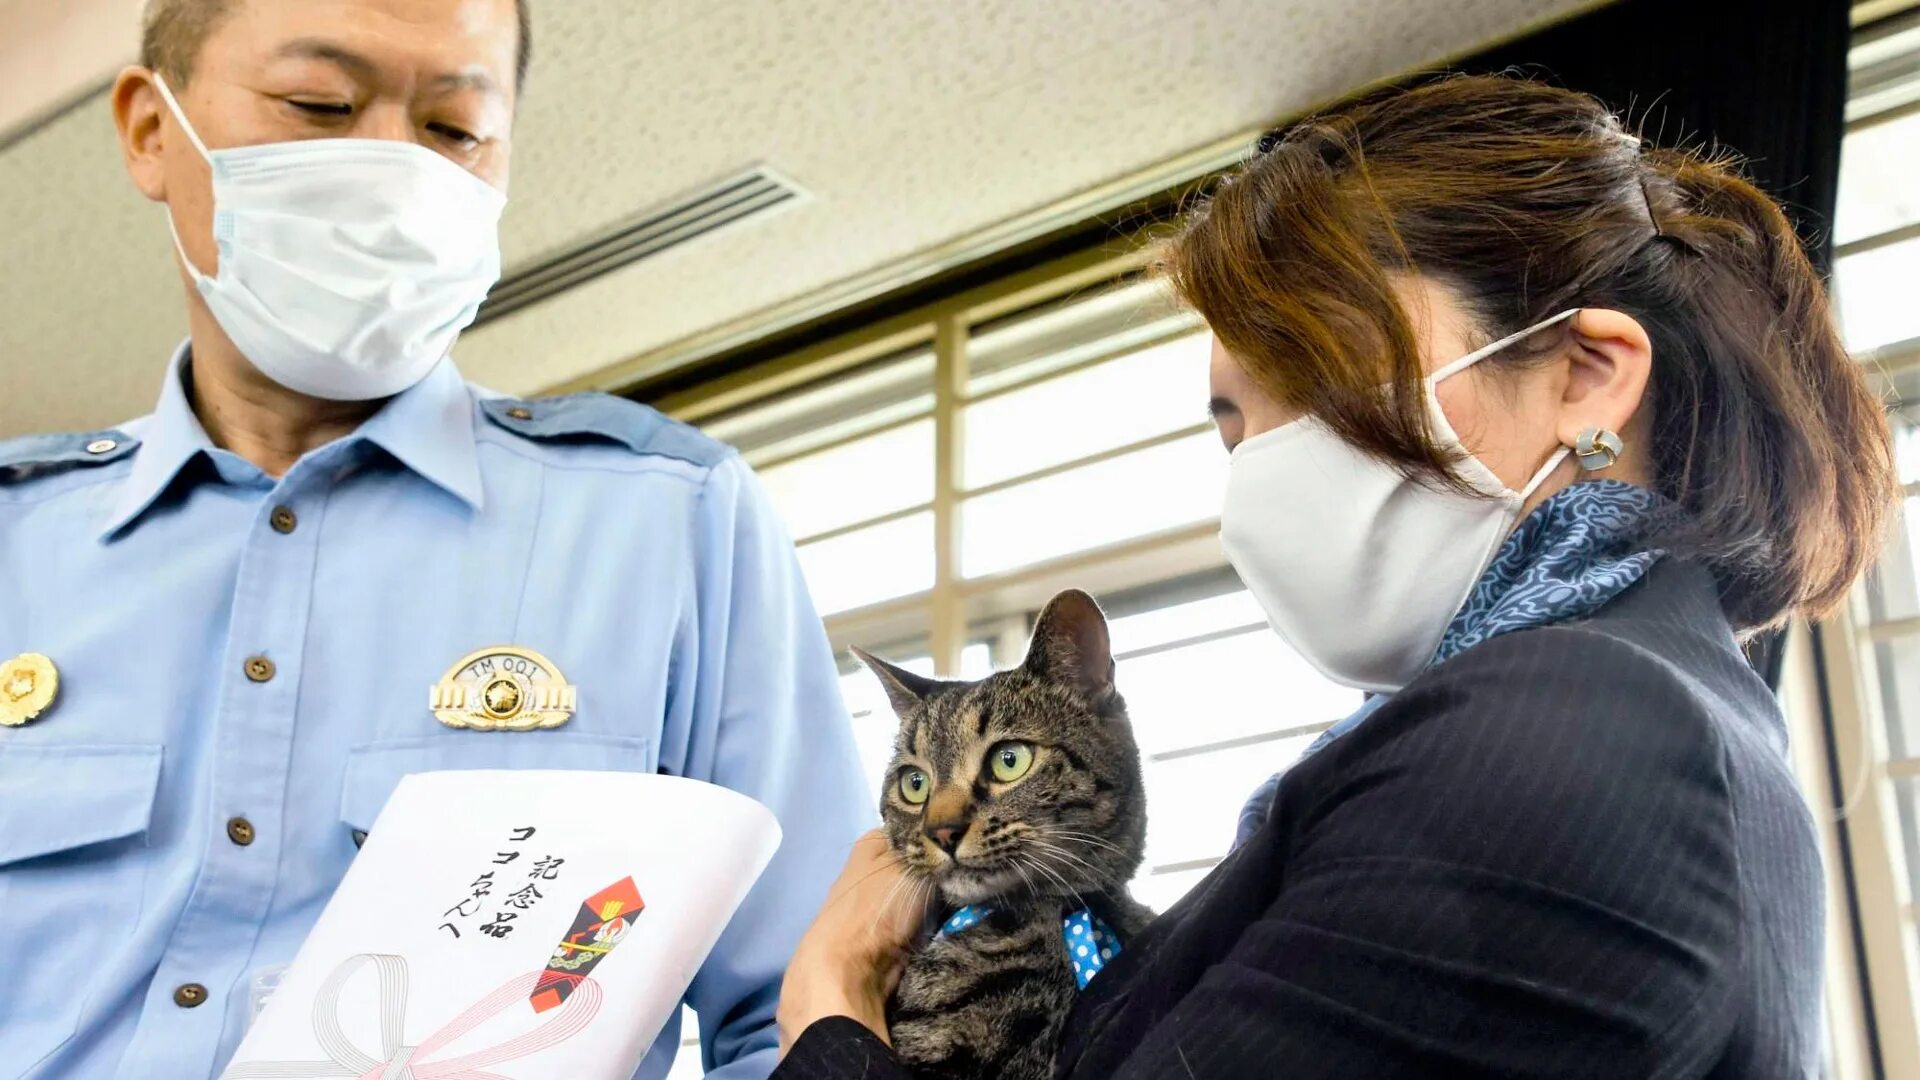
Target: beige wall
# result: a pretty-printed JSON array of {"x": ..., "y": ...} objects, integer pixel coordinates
[{"x": 53, "y": 52}]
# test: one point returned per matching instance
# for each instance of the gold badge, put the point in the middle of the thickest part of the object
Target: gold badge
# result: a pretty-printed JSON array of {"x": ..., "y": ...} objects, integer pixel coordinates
[
  {"x": 28, "y": 683},
  {"x": 503, "y": 688}
]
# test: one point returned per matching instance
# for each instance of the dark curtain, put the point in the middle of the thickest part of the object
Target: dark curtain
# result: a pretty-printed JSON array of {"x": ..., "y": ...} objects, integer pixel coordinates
[{"x": 1766, "y": 79}]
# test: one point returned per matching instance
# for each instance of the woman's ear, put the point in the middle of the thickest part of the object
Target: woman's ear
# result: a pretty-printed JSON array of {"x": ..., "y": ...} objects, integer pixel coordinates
[{"x": 1610, "y": 362}]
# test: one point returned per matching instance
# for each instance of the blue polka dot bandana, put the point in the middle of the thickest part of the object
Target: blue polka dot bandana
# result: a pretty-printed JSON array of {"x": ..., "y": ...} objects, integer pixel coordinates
[
  {"x": 1090, "y": 944},
  {"x": 1090, "y": 941},
  {"x": 962, "y": 919}
]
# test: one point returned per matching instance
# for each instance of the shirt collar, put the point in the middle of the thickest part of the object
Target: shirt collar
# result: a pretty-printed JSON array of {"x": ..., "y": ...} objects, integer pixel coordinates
[
  {"x": 428, "y": 428},
  {"x": 169, "y": 438}
]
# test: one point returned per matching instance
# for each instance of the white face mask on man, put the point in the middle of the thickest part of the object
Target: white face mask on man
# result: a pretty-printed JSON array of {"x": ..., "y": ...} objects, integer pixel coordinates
[
  {"x": 1357, "y": 566},
  {"x": 347, "y": 266}
]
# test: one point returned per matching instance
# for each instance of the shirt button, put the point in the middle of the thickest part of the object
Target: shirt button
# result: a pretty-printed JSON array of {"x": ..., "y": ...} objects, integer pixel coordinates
[
  {"x": 190, "y": 995},
  {"x": 520, "y": 412},
  {"x": 283, "y": 520},
  {"x": 240, "y": 831},
  {"x": 259, "y": 668},
  {"x": 101, "y": 446}
]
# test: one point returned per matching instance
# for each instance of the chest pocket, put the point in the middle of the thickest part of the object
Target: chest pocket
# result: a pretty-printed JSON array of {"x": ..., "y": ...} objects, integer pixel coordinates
[
  {"x": 73, "y": 821},
  {"x": 374, "y": 768}
]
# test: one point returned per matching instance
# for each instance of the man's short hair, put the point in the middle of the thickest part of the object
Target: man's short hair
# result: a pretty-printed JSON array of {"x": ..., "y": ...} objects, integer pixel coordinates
[{"x": 172, "y": 32}]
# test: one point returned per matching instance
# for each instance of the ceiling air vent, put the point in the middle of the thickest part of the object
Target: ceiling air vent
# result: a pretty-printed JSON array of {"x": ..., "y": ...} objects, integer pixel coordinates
[{"x": 736, "y": 198}]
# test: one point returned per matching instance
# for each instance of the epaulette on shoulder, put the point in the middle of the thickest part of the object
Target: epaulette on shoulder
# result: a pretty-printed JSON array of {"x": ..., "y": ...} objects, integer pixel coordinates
[
  {"x": 605, "y": 418},
  {"x": 34, "y": 456}
]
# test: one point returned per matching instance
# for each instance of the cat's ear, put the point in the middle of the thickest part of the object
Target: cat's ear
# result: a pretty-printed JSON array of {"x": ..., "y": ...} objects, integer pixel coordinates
[
  {"x": 1071, "y": 647},
  {"x": 904, "y": 688}
]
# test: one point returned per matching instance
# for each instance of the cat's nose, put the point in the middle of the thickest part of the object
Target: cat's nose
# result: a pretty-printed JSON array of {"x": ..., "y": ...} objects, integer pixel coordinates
[{"x": 947, "y": 836}]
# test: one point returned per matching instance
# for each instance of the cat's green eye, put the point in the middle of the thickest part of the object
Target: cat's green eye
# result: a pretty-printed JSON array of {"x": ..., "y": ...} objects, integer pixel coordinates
[
  {"x": 914, "y": 786},
  {"x": 1009, "y": 761}
]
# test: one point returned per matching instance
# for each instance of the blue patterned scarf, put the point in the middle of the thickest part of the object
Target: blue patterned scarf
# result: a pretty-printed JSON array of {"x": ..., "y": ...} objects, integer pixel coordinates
[{"x": 1567, "y": 560}]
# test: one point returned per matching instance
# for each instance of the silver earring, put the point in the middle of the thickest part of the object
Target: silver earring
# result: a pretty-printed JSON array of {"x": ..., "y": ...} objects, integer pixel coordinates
[{"x": 1597, "y": 449}]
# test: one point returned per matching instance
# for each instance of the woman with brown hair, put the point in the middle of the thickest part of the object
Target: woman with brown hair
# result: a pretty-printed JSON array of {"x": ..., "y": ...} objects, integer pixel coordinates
[{"x": 1530, "y": 425}]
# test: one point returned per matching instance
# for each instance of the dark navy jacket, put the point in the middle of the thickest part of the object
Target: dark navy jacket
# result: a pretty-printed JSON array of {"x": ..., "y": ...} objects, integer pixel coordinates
[{"x": 1575, "y": 851}]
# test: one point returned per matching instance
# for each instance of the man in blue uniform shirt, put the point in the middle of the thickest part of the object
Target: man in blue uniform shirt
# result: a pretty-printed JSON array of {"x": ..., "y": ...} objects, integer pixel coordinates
[{"x": 231, "y": 626}]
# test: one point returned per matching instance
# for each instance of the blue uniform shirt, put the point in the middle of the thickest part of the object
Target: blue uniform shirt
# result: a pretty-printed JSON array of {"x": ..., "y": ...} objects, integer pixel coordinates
[{"x": 175, "y": 819}]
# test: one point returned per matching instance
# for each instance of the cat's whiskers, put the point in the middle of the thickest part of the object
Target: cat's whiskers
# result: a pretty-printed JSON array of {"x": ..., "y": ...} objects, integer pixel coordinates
[
  {"x": 925, "y": 892},
  {"x": 1052, "y": 865},
  {"x": 893, "y": 891},
  {"x": 1058, "y": 851},
  {"x": 1068, "y": 841},
  {"x": 1042, "y": 869},
  {"x": 1022, "y": 871},
  {"x": 897, "y": 861},
  {"x": 1082, "y": 837},
  {"x": 1064, "y": 869},
  {"x": 1080, "y": 848},
  {"x": 1032, "y": 838}
]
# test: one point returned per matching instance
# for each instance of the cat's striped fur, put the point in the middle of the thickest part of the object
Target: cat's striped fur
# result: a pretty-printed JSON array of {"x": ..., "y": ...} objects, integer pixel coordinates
[{"x": 1066, "y": 834}]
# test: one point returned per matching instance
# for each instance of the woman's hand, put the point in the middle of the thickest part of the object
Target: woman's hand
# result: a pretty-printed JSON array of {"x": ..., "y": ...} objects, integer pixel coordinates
[{"x": 851, "y": 957}]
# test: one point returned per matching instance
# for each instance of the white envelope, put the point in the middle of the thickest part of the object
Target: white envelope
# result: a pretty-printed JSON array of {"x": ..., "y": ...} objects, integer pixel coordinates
[{"x": 507, "y": 925}]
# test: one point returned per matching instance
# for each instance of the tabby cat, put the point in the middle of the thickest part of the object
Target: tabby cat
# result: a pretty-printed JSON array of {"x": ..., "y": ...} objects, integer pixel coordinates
[{"x": 1015, "y": 802}]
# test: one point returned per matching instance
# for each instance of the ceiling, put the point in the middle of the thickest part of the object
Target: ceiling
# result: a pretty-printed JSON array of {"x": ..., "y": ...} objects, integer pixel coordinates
[{"x": 914, "y": 124}]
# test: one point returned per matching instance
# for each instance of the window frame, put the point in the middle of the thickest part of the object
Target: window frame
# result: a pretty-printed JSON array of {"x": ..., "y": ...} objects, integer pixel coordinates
[
  {"x": 1839, "y": 736},
  {"x": 1869, "y": 893},
  {"x": 947, "y": 613}
]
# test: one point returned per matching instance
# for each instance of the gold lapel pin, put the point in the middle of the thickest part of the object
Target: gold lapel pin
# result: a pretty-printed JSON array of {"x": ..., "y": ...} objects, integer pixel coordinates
[
  {"x": 28, "y": 683},
  {"x": 503, "y": 688}
]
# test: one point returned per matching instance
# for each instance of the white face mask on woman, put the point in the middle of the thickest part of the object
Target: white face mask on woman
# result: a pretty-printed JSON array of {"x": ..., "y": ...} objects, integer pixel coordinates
[
  {"x": 1358, "y": 567},
  {"x": 347, "y": 266}
]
